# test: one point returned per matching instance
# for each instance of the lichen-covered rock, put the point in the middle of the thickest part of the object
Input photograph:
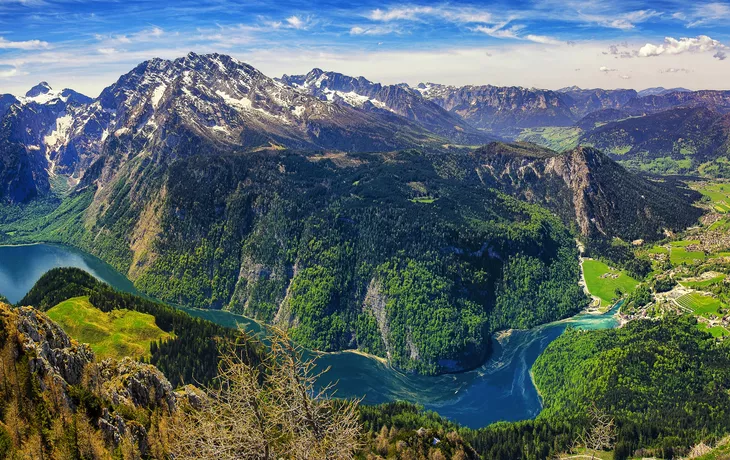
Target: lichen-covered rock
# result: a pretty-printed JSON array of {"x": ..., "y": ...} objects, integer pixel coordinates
[
  {"x": 53, "y": 352},
  {"x": 191, "y": 395},
  {"x": 133, "y": 383}
]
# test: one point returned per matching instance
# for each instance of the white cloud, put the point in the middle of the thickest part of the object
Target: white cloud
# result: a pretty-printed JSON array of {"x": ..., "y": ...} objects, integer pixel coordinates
[
  {"x": 543, "y": 39},
  {"x": 625, "y": 77},
  {"x": 622, "y": 21},
  {"x": 145, "y": 35},
  {"x": 374, "y": 30},
  {"x": 23, "y": 45},
  {"x": 461, "y": 15},
  {"x": 605, "y": 69},
  {"x": 674, "y": 70},
  {"x": 7, "y": 73},
  {"x": 672, "y": 46},
  {"x": 107, "y": 50},
  {"x": 298, "y": 23},
  {"x": 499, "y": 31},
  {"x": 401, "y": 13}
]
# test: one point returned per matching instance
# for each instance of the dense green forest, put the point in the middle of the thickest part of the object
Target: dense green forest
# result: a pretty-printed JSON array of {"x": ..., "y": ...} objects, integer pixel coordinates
[
  {"x": 406, "y": 253},
  {"x": 191, "y": 356},
  {"x": 666, "y": 382}
]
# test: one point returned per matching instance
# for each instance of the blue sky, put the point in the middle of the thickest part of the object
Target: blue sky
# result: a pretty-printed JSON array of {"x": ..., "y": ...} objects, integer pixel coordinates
[{"x": 86, "y": 45}]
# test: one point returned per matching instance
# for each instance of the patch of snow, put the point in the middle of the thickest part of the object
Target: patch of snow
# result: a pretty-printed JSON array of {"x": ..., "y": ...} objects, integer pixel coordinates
[
  {"x": 222, "y": 129},
  {"x": 157, "y": 94},
  {"x": 245, "y": 105},
  {"x": 33, "y": 147},
  {"x": 354, "y": 99},
  {"x": 59, "y": 136},
  {"x": 298, "y": 111}
]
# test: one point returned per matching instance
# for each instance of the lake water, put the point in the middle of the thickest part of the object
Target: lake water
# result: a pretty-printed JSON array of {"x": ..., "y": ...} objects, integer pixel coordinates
[{"x": 501, "y": 389}]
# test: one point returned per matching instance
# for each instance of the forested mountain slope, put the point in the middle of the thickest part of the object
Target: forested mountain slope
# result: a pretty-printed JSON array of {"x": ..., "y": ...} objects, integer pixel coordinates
[
  {"x": 675, "y": 141},
  {"x": 373, "y": 251},
  {"x": 666, "y": 383},
  {"x": 367, "y": 251},
  {"x": 588, "y": 189}
]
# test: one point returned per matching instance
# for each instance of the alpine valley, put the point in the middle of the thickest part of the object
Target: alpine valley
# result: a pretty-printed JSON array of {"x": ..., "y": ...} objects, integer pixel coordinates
[{"x": 413, "y": 224}]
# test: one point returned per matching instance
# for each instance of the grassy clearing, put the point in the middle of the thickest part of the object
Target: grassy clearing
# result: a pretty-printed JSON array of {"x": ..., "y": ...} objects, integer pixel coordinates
[
  {"x": 116, "y": 334},
  {"x": 602, "y": 281},
  {"x": 424, "y": 199},
  {"x": 680, "y": 255},
  {"x": 703, "y": 283},
  {"x": 556, "y": 138},
  {"x": 683, "y": 243},
  {"x": 658, "y": 250},
  {"x": 716, "y": 331},
  {"x": 701, "y": 304}
]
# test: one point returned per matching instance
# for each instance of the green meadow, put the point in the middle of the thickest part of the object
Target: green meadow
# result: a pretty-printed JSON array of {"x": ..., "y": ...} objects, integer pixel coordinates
[
  {"x": 602, "y": 281},
  {"x": 116, "y": 334}
]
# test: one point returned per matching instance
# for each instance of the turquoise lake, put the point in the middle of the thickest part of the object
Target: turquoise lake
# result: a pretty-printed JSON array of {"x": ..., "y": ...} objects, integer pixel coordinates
[{"x": 501, "y": 389}]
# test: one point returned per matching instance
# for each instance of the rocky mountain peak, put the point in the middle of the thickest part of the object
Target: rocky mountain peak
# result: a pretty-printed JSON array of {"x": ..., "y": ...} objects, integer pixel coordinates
[{"x": 37, "y": 90}]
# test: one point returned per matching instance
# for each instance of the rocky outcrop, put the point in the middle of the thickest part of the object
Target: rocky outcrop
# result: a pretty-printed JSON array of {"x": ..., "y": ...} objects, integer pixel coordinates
[
  {"x": 53, "y": 353},
  {"x": 66, "y": 369},
  {"x": 133, "y": 383}
]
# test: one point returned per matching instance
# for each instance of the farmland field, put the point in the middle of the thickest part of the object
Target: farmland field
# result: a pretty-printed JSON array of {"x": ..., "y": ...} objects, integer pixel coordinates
[
  {"x": 700, "y": 304},
  {"x": 602, "y": 281},
  {"x": 115, "y": 334},
  {"x": 719, "y": 194},
  {"x": 679, "y": 255},
  {"x": 703, "y": 283}
]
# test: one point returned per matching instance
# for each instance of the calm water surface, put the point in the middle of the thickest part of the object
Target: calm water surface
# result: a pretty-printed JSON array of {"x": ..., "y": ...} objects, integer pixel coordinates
[{"x": 501, "y": 389}]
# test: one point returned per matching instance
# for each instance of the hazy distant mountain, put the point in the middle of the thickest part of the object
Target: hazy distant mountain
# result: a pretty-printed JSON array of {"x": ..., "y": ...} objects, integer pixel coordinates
[
  {"x": 585, "y": 101},
  {"x": 658, "y": 91},
  {"x": 502, "y": 110}
]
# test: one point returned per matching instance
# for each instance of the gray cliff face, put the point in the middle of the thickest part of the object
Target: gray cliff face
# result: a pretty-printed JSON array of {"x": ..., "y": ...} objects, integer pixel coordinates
[{"x": 587, "y": 189}]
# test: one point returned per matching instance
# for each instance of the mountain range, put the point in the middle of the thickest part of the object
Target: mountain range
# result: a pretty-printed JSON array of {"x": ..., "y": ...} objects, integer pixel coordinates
[{"x": 355, "y": 214}]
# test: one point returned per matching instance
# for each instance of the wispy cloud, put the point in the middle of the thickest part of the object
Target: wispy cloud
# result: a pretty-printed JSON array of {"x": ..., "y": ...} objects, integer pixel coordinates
[
  {"x": 373, "y": 30},
  {"x": 703, "y": 14},
  {"x": 23, "y": 45},
  {"x": 542, "y": 39},
  {"x": 462, "y": 15},
  {"x": 299, "y": 23},
  {"x": 500, "y": 30}
]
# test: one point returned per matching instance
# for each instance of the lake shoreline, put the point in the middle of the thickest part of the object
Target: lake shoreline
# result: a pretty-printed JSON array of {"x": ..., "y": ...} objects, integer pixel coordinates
[{"x": 497, "y": 390}]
